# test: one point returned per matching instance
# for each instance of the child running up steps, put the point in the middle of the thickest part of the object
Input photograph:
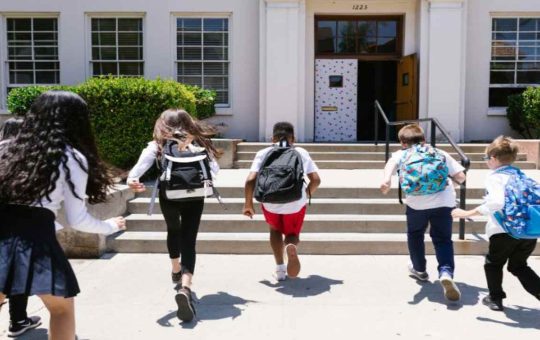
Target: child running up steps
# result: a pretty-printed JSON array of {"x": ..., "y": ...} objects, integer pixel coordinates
[
  {"x": 424, "y": 178},
  {"x": 277, "y": 181}
]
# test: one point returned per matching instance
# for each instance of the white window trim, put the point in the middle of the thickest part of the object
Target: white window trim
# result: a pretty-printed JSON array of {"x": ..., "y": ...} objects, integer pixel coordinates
[
  {"x": 501, "y": 110},
  {"x": 221, "y": 109},
  {"x": 88, "y": 36},
  {"x": 4, "y": 68}
]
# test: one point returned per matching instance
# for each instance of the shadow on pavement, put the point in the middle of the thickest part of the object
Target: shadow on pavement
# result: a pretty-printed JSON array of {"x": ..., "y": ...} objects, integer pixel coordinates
[
  {"x": 303, "y": 287},
  {"x": 34, "y": 334},
  {"x": 521, "y": 317},
  {"x": 210, "y": 307},
  {"x": 433, "y": 292}
]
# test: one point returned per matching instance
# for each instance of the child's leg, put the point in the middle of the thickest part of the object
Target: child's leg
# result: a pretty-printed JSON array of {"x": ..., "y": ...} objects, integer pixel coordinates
[
  {"x": 171, "y": 213},
  {"x": 292, "y": 227},
  {"x": 17, "y": 308},
  {"x": 517, "y": 265},
  {"x": 441, "y": 234},
  {"x": 500, "y": 248},
  {"x": 191, "y": 213},
  {"x": 276, "y": 242},
  {"x": 417, "y": 222}
]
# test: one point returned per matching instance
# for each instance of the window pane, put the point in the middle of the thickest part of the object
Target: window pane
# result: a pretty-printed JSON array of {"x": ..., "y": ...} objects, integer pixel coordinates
[
  {"x": 46, "y": 53},
  {"x": 129, "y": 39},
  {"x": 131, "y": 69},
  {"x": 504, "y": 36},
  {"x": 528, "y": 77},
  {"x": 216, "y": 69},
  {"x": 387, "y": 28},
  {"x": 503, "y": 53},
  {"x": 189, "y": 53},
  {"x": 104, "y": 39},
  {"x": 188, "y": 24},
  {"x": 18, "y": 66},
  {"x": 19, "y": 24},
  {"x": 48, "y": 24},
  {"x": 215, "y": 39},
  {"x": 47, "y": 77},
  {"x": 130, "y": 53},
  {"x": 49, "y": 38},
  {"x": 386, "y": 45},
  {"x": 503, "y": 65},
  {"x": 527, "y": 36},
  {"x": 15, "y": 39},
  {"x": 130, "y": 24},
  {"x": 216, "y": 25},
  {"x": 215, "y": 83},
  {"x": 215, "y": 53},
  {"x": 499, "y": 96},
  {"x": 529, "y": 66},
  {"x": 346, "y": 37},
  {"x": 188, "y": 69},
  {"x": 21, "y": 77},
  {"x": 191, "y": 80},
  {"x": 527, "y": 25},
  {"x": 191, "y": 39},
  {"x": 502, "y": 77},
  {"x": 104, "y": 24},
  {"x": 104, "y": 69},
  {"x": 47, "y": 66},
  {"x": 326, "y": 36},
  {"x": 222, "y": 97},
  {"x": 504, "y": 24},
  {"x": 19, "y": 53},
  {"x": 527, "y": 53},
  {"x": 108, "y": 53}
]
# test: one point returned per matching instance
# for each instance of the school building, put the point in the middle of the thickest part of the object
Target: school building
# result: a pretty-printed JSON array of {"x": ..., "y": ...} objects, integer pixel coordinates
[{"x": 319, "y": 64}]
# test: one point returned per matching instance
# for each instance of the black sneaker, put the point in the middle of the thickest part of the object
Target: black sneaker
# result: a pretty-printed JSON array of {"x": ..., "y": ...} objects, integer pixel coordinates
[
  {"x": 493, "y": 304},
  {"x": 18, "y": 328},
  {"x": 176, "y": 277},
  {"x": 186, "y": 310}
]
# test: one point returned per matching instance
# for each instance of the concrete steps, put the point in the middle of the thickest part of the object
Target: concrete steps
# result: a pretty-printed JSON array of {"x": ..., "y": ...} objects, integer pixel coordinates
[{"x": 335, "y": 147}]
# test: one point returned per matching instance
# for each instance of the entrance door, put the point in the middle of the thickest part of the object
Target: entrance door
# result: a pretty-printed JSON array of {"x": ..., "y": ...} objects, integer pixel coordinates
[
  {"x": 407, "y": 96},
  {"x": 335, "y": 100}
]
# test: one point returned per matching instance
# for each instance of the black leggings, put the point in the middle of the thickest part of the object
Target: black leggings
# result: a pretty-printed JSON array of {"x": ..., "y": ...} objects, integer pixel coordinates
[{"x": 182, "y": 219}]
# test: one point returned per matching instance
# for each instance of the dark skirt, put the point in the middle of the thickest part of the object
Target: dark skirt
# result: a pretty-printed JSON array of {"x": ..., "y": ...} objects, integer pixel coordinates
[{"x": 31, "y": 259}]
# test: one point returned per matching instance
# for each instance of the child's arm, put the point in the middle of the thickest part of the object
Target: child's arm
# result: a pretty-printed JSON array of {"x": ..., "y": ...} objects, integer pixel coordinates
[
  {"x": 146, "y": 160},
  {"x": 249, "y": 187},
  {"x": 493, "y": 201},
  {"x": 460, "y": 177},
  {"x": 389, "y": 170},
  {"x": 314, "y": 182}
]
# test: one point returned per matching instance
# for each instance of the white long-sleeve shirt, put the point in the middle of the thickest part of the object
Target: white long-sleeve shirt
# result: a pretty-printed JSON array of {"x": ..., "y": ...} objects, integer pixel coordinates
[
  {"x": 76, "y": 212},
  {"x": 493, "y": 201},
  {"x": 148, "y": 157}
]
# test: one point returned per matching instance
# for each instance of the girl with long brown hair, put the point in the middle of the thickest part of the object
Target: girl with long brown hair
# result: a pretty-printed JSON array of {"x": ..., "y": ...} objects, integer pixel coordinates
[{"x": 182, "y": 217}]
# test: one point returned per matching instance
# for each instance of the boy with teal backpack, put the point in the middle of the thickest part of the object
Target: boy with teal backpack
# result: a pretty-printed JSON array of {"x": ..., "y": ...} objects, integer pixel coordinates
[
  {"x": 424, "y": 176},
  {"x": 512, "y": 204}
]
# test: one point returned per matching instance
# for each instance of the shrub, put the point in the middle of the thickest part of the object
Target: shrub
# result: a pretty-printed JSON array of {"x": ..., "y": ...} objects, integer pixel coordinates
[
  {"x": 21, "y": 98},
  {"x": 205, "y": 101},
  {"x": 523, "y": 113}
]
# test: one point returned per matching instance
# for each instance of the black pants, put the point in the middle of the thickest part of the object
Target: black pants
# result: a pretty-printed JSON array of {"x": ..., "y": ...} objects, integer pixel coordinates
[
  {"x": 182, "y": 219},
  {"x": 502, "y": 248},
  {"x": 17, "y": 307}
]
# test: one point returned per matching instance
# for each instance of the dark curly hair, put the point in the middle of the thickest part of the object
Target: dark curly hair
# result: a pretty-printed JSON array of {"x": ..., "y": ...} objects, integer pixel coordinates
[{"x": 56, "y": 123}]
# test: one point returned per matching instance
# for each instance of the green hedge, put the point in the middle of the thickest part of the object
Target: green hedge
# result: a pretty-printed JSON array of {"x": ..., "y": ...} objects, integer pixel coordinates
[
  {"x": 122, "y": 110},
  {"x": 523, "y": 113},
  {"x": 205, "y": 101}
]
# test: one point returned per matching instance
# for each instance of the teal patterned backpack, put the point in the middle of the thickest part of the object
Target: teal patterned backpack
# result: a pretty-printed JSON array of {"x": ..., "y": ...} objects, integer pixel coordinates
[
  {"x": 422, "y": 171},
  {"x": 520, "y": 216}
]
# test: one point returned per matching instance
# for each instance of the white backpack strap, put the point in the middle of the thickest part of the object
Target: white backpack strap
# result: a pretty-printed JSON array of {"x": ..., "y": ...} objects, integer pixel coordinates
[{"x": 168, "y": 171}]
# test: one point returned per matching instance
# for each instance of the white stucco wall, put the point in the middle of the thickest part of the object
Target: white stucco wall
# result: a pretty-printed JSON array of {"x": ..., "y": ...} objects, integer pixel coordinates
[
  {"x": 159, "y": 44},
  {"x": 479, "y": 124}
]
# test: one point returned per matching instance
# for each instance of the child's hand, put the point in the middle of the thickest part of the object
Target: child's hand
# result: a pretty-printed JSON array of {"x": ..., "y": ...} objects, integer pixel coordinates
[
  {"x": 120, "y": 222},
  {"x": 385, "y": 187},
  {"x": 248, "y": 211},
  {"x": 460, "y": 213},
  {"x": 136, "y": 186}
]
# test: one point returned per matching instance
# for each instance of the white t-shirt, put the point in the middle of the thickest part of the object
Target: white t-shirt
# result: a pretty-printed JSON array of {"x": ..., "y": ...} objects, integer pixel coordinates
[
  {"x": 445, "y": 198},
  {"x": 292, "y": 207},
  {"x": 493, "y": 201}
]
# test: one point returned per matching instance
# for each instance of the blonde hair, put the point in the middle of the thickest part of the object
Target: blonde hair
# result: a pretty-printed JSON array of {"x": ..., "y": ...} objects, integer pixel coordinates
[
  {"x": 411, "y": 134},
  {"x": 504, "y": 149}
]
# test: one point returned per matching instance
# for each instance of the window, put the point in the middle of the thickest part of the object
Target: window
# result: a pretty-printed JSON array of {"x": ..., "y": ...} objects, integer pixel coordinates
[
  {"x": 358, "y": 36},
  {"x": 515, "y": 58},
  {"x": 202, "y": 54},
  {"x": 32, "y": 46},
  {"x": 117, "y": 47}
]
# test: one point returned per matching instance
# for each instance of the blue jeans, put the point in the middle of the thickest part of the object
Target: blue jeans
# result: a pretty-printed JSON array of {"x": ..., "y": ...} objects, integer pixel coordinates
[{"x": 440, "y": 231}]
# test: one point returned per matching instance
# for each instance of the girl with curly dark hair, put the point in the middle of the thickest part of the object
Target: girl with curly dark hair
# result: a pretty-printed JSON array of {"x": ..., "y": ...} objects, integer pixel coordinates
[
  {"x": 52, "y": 159},
  {"x": 182, "y": 217}
]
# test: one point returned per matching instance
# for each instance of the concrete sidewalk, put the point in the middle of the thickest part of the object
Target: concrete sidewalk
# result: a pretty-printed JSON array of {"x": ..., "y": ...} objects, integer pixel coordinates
[{"x": 337, "y": 297}]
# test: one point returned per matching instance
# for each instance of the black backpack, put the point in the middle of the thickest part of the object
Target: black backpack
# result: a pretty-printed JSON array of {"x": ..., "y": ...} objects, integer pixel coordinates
[
  {"x": 185, "y": 175},
  {"x": 281, "y": 177}
]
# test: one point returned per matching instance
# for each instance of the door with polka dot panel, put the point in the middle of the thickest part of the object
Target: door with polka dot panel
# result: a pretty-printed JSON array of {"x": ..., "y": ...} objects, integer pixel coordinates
[{"x": 336, "y": 100}]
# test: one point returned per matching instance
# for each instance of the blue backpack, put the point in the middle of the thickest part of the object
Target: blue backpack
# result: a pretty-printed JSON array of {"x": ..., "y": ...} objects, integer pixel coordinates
[
  {"x": 520, "y": 216},
  {"x": 422, "y": 171}
]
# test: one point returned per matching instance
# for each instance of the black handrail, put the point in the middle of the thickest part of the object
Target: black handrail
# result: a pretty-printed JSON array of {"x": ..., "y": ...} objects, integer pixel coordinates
[{"x": 435, "y": 124}]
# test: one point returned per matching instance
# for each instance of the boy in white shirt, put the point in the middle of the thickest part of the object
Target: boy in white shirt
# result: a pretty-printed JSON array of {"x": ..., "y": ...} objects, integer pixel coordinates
[
  {"x": 283, "y": 218},
  {"x": 433, "y": 209},
  {"x": 500, "y": 154}
]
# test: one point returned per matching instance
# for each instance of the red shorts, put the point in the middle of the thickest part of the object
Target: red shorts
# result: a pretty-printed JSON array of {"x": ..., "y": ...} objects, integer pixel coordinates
[{"x": 287, "y": 224}]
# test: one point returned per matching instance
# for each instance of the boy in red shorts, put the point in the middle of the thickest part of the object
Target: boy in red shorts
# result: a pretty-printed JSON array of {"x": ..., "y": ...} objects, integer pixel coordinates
[{"x": 284, "y": 219}]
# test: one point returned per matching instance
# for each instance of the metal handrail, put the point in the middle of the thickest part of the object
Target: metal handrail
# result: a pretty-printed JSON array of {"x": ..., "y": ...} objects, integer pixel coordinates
[{"x": 435, "y": 124}]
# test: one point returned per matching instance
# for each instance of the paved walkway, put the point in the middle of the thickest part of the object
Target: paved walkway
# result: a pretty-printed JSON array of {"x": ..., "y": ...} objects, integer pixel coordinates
[{"x": 129, "y": 297}]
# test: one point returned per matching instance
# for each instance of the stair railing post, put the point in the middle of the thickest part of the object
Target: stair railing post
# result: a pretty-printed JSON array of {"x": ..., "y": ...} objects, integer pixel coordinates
[
  {"x": 376, "y": 111},
  {"x": 387, "y": 149},
  {"x": 433, "y": 133}
]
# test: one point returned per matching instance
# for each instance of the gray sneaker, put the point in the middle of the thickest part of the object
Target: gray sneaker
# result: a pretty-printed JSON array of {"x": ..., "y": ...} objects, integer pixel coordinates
[
  {"x": 451, "y": 291},
  {"x": 420, "y": 276}
]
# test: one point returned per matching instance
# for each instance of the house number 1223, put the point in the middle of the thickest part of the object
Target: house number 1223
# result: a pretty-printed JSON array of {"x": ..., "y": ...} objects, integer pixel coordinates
[{"x": 359, "y": 7}]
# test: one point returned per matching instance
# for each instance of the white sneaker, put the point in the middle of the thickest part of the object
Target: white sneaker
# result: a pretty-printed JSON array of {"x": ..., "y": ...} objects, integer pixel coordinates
[
  {"x": 281, "y": 272},
  {"x": 451, "y": 291}
]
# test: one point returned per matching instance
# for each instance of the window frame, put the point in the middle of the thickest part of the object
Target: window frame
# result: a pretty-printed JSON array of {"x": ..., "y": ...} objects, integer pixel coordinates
[
  {"x": 497, "y": 110},
  {"x": 4, "y": 55},
  {"x": 223, "y": 108},
  {"x": 114, "y": 15}
]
